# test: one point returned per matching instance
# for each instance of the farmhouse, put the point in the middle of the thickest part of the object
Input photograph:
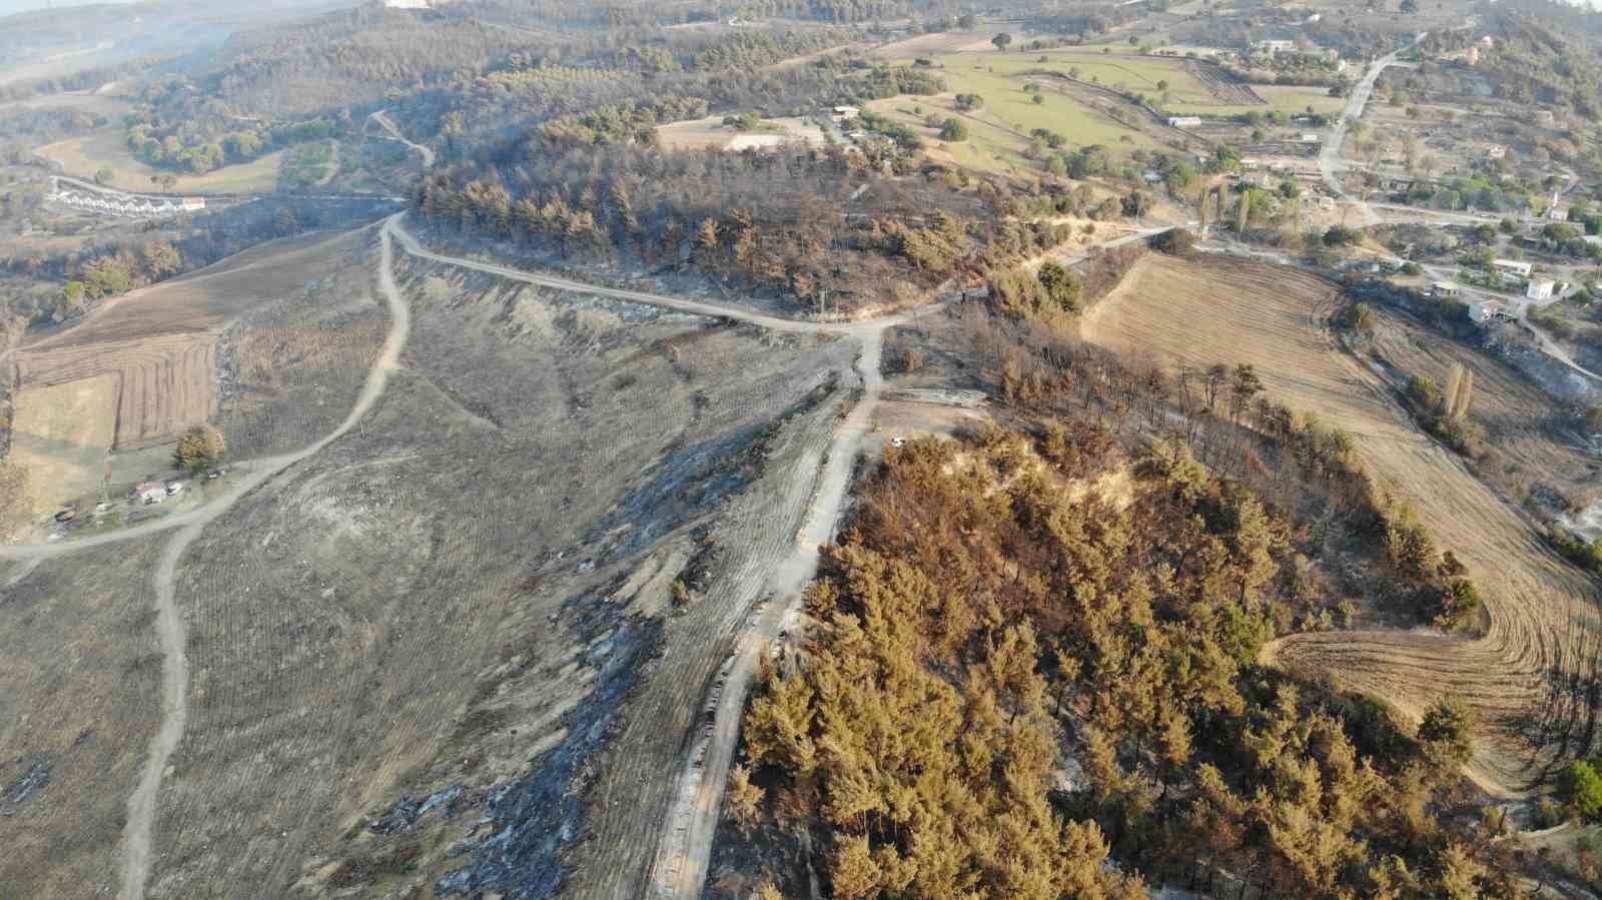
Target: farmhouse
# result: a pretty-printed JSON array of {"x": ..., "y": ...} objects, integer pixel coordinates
[
  {"x": 1496, "y": 151},
  {"x": 1540, "y": 289},
  {"x": 1184, "y": 121},
  {"x": 1513, "y": 267},
  {"x": 1272, "y": 47},
  {"x": 1558, "y": 212},
  {"x": 1446, "y": 289},
  {"x": 194, "y": 204},
  {"x": 845, "y": 113},
  {"x": 150, "y": 492},
  {"x": 1309, "y": 138}
]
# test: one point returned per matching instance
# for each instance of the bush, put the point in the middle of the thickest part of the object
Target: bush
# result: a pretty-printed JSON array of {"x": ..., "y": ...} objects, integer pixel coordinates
[
  {"x": 200, "y": 448},
  {"x": 1175, "y": 242},
  {"x": 1339, "y": 235},
  {"x": 953, "y": 130}
]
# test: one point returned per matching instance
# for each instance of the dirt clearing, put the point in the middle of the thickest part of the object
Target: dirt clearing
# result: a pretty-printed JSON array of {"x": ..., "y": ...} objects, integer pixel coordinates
[{"x": 1541, "y": 643}]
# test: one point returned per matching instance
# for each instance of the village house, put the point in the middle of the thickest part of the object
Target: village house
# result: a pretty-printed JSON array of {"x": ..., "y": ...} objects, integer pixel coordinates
[
  {"x": 150, "y": 492},
  {"x": 1540, "y": 289},
  {"x": 1496, "y": 151},
  {"x": 1310, "y": 138},
  {"x": 1446, "y": 289},
  {"x": 1273, "y": 47},
  {"x": 844, "y": 114},
  {"x": 1558, "y": 212},
  {"x": 1513, "y": 267},
  {"x": 1184, "y": 121},
  {"x": 1483, "y": 311}
]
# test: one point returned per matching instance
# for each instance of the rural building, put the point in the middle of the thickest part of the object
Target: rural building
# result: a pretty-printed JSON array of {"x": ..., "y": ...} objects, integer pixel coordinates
[
  {"x": 1496, "y": 151},
  {"x": 1272, "y": 47},
  {"x": 845, "y": 113},
  {"x": 150, "y": 492},
  {"x": 1558, "y": 212},
  {"x": 1488, "y": 42},
  {"x": 176, "y": 487},
  {"x": 1310, "y": 138},
  {"x": 1472, "y": 57},
  {"x": 1540, "y": 289},
  {"x": 1545, "y": 118},
  {"x": 1448, "y": 289},
  {"x": 194, "y": 204},
  {"x": 1513, "y": 267},
  {"x": 1485, "y": 310},
  {"x": 1184, "y": 121},
  {"x": 407, "y": 4}
]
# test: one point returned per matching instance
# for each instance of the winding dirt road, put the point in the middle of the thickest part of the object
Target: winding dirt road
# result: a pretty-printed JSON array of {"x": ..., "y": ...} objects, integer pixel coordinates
[
  {"x": 383, "y": 120},
  {"x": 169, "y": 624}
]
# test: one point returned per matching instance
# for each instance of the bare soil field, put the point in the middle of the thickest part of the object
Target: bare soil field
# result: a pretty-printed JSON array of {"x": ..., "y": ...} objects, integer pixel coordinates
[
  {"x": 699, "y": 134},
  {"x": 80, "y": 695},
  {"x": 143, "y": 366},
  {"x": 1526, "y": 675},
  {"x": 407, "y": 657},
  {"x": 61, "y": 436}
]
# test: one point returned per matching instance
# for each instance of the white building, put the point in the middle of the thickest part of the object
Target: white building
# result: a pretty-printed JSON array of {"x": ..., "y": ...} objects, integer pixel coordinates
[
  {"x": 150, "y": 492},
  {"x": 1310, "y": 138},
  {"x": 845, "y": 113},
  {"x": 1184, "y": 121},
  {"x": 1540, "y": 289},
  {"x": 1496, "y": 151},
  {"x": 1272, "y": 47},
  {"x": 1483, "y": 311},
  {"x": 1450, "y": 289},
  {"x": 1558, "y": 212},
  {"x": 1513, "y": 267}
]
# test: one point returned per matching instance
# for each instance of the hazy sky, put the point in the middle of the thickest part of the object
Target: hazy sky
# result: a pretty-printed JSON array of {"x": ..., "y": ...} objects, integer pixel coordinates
[{"x": 7, "y": 7}]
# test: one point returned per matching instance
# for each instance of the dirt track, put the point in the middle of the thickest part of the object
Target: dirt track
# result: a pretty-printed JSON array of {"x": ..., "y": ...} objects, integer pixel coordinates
[
  {"x": 170, "y": 625},
  {"x": 1532, "y": 673}
]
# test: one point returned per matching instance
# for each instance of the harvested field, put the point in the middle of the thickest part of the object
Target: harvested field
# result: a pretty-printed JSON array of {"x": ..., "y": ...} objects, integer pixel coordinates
[
  {"x": 153, "y": 351},
  {"x": 1528, "y": 674},
  {"x": 61, "y": 435},
  {"x": 80, "y": 695},
  {"x": 161, "y": 385}
]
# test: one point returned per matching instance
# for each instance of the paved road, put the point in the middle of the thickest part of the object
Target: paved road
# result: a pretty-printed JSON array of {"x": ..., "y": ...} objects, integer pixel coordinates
[{"x": 1329, "y": 156}]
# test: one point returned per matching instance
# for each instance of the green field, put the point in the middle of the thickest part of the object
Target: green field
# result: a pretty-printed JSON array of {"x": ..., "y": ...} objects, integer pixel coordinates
[{"x": 83, "y": 157}]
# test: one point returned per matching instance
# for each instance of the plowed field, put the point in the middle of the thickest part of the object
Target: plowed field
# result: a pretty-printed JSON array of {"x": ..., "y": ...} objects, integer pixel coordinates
[
  {"x": 1530, "y": 675},
  {"x": 61, "y": 436},
  {"x": 162, "y": 385}
]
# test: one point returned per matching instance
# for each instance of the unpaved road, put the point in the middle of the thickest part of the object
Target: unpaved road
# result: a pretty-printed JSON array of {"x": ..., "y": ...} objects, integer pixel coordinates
[
  {"x": 169, "y": 624},
  {"x": 685, "y": 846},
  {"x": 383, "y": 120}
]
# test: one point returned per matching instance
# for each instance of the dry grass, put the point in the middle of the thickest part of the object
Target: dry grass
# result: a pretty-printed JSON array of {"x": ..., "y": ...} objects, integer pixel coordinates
[
  {"x": 84, "y": 156},
  {"x": 710, "y": 132},
  {"x": 61, "y": 435},
  {"x": 1542, "y": 620},
  {"x": 79, "y": 693}
]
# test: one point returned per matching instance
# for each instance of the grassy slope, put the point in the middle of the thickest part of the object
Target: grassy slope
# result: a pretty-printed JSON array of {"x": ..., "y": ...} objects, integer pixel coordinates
[{"x": 84, "y": 156}]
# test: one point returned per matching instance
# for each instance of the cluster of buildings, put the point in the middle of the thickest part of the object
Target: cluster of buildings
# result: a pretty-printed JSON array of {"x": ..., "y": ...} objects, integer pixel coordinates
[{"x": 116, "y": 203}]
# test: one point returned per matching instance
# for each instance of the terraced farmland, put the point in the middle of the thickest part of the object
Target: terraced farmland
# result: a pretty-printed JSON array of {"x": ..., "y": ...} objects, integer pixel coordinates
[{"x": 1528, "y": 674}]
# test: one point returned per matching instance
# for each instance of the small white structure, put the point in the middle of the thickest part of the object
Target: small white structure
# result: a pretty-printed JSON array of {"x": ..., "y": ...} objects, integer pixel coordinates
[
  {"x": 1540, "y": 289},
  {"x": 1513, "y": 267},
  {"x": 194, "y": 204},
  {"x": 1273, "y": 47},
  {"x": 1558, "y": 212},
  {"x": 1545, "y": 118},
  {"x": 176, "y": 487},
  {"x": 1448, "y": 289},
  {"x": 845, "y": 113},
  {"x": 1310, "y": 138},
  {"x": 150, "y": 492},
  {"x": 1184, "y": 121},
  {"x": 407, "y": 4},
  {"x": 1496, "y": 151},
  {"x": 1488, "y": 42},
  {"x": 1483, "y": 311}
]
